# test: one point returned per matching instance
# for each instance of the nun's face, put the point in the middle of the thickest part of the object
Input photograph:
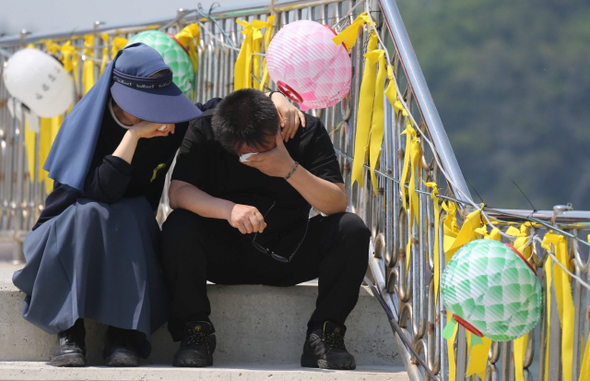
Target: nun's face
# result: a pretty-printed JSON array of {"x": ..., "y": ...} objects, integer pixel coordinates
[
  {"x": 129, "y": 119},
  {"x": 124, "y": 117}
]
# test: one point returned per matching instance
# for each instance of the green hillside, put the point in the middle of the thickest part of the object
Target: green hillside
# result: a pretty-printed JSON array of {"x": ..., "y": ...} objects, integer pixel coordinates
[{"x": 511, "y": 81}]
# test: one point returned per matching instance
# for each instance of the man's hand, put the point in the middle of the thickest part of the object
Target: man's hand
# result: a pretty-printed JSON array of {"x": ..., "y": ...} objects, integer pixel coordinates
[
  {"x": 276, "y": 162},
  {"x": 289, "y": 116},
  {"x": 247, "y": 219}
]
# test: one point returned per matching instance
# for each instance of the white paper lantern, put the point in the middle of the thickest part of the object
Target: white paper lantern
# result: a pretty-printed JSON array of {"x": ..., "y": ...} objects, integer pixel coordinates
[{"x": 39, "y": 81}]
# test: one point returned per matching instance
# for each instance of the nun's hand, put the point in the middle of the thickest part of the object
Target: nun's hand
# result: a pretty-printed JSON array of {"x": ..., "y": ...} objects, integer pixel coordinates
[
  {"x": 289, "y": 116},
  {"x": 150, "y": 130}
]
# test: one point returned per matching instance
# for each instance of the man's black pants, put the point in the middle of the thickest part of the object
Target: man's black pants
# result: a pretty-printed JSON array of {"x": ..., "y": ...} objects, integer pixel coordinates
[{"x": 197, "y": 249}]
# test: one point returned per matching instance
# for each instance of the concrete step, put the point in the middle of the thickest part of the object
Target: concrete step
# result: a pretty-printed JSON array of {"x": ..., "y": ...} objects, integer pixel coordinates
[
  {"x": 254, "y": 324},
  {"x": 28, "y": 371}
]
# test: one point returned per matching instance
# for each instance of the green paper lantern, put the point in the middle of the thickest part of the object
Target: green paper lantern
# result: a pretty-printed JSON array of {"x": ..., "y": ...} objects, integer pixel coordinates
[
  {"x": 174, "y": 54},
  {"x": 492, "y": 290}
]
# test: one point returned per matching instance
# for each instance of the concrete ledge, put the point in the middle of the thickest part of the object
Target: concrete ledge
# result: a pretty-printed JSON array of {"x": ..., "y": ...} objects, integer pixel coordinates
[
  {"x": 254, "y": 324},
  {"x": 29, "y": 371}
]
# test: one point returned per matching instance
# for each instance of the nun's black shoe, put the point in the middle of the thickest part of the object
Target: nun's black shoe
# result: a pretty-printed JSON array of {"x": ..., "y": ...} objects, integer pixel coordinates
[
  {"x": 120, "y": 350},
  {"x": 197, "y": 346},
  {"x": 71, "y": 346},
  {"x": 324, "y": 348}
]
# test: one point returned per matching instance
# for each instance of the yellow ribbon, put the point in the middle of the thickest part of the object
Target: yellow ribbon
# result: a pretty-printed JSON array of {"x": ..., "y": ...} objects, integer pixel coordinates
[
  {"x": 364, "y": 115},
  {"x": 258, "y": 49},
  {"x": 48, "y": 134},
  {"x": 414, "y": 154},
  {"x": 548, "y": 277},
  {"x": 51, "y": 47},
  {"x": 117, "y": 44},
  {"x": 495, "y": 235},
  {"x": 585, "y": 370},
  {"x": 450, "y": 228},
  {"x": 377, "y": 121},
  {"x": 105, "y": 51},
  {"x": 88, "y": 69},
  {"x": 451, "y": 350},
  {"x": 48, "y": 128},
  {"x": 565, "y": 303},
  {"x": 478, "y": 355},
  {"x": 585, "y": 366},
  {"x": 189, "y": 37},
  {"x": 30, "y": 138},
  {"x": 70, "y": 61},
  {"x": 349, "y": 35},
  {"x": 411, "y": 164},
  {"x": 434, "y": 195},
  {"x": 519, "y": 351},
  {"x": 391, "y": 93},
  {"x": 251, "y": 44},
  {"x": 521, "y": 243},
  {"x": 466, "y": 234},
  {"x": 267, "y": 37}
]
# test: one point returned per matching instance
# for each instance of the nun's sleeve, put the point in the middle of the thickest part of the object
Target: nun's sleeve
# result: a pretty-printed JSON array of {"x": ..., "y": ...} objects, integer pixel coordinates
[{"x": 108, "y": 181}]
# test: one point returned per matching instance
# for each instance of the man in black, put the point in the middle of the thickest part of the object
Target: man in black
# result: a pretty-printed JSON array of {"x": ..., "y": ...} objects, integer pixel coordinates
[{"x": 244, "y": 219}]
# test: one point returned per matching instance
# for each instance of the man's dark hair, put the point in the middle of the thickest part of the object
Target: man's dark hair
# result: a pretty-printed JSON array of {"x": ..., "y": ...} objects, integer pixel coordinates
[{"x": 245, "y": 116}]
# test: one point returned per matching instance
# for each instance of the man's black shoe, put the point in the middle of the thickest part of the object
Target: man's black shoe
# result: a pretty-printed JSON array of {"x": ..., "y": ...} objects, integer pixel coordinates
[
  {"x": 324, "y": 348},
  {"x": 119, "y": 349},
  {"x": 197, "y": 346},
  {"x": 71, "y": 346}
]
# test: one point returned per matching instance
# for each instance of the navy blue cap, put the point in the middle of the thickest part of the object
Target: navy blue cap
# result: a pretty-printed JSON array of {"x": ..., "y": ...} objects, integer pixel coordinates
[{"x": 142, "y": 86}]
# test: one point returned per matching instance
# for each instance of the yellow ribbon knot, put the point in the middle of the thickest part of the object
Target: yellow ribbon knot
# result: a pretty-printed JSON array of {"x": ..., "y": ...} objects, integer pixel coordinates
[
  {"x": 251, "y": 45},
  {"x": 70, "y": 61},
  {"x": 189, "y": 38},
  {"x": 349, "y": 35},
  {"x": 88, "y": 69},
  {"x": 117, "y": 44}
]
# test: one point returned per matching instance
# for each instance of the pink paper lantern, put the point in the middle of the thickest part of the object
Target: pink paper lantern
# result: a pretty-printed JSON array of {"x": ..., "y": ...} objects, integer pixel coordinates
[{"x": 307, "y": 66}]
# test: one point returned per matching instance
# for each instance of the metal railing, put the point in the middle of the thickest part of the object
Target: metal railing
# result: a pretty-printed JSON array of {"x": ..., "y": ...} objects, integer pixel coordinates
[{"x": 407, "y": 292}]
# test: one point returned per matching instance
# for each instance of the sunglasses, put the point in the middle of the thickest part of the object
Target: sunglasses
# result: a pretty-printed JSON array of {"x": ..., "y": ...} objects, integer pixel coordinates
[{"x": 271, "y": 253}]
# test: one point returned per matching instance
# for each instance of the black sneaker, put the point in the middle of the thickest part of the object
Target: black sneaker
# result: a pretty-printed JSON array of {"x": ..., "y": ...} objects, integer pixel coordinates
[
  {"x": 197, "y": 345},
  {"x": 119, "y": 349},
  {"x": 324, "y": 348},
  {"x": 71, "y": 346}
]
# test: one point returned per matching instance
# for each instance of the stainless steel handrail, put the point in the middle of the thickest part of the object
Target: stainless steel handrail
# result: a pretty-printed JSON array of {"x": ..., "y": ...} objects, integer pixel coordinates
[{"x": 426, "y": 105}]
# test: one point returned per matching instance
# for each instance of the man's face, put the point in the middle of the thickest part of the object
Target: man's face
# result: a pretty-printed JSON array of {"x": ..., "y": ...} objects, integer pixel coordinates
[{"x": 244, "y": 148}]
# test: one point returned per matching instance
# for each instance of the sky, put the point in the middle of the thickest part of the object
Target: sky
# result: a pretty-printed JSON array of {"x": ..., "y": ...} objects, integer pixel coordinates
[{"x": 50, "y": 16}]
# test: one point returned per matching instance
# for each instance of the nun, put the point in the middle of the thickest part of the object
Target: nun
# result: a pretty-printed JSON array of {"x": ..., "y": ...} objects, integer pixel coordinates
[{"x": 94, "y": 252}]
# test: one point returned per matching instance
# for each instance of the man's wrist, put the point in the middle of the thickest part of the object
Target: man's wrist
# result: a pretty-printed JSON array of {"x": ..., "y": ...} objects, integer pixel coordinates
[{"x": 293, "y": 169}]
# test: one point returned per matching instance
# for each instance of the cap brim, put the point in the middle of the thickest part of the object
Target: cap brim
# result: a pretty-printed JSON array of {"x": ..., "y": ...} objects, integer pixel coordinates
[{"x": 165, "y": 105}]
